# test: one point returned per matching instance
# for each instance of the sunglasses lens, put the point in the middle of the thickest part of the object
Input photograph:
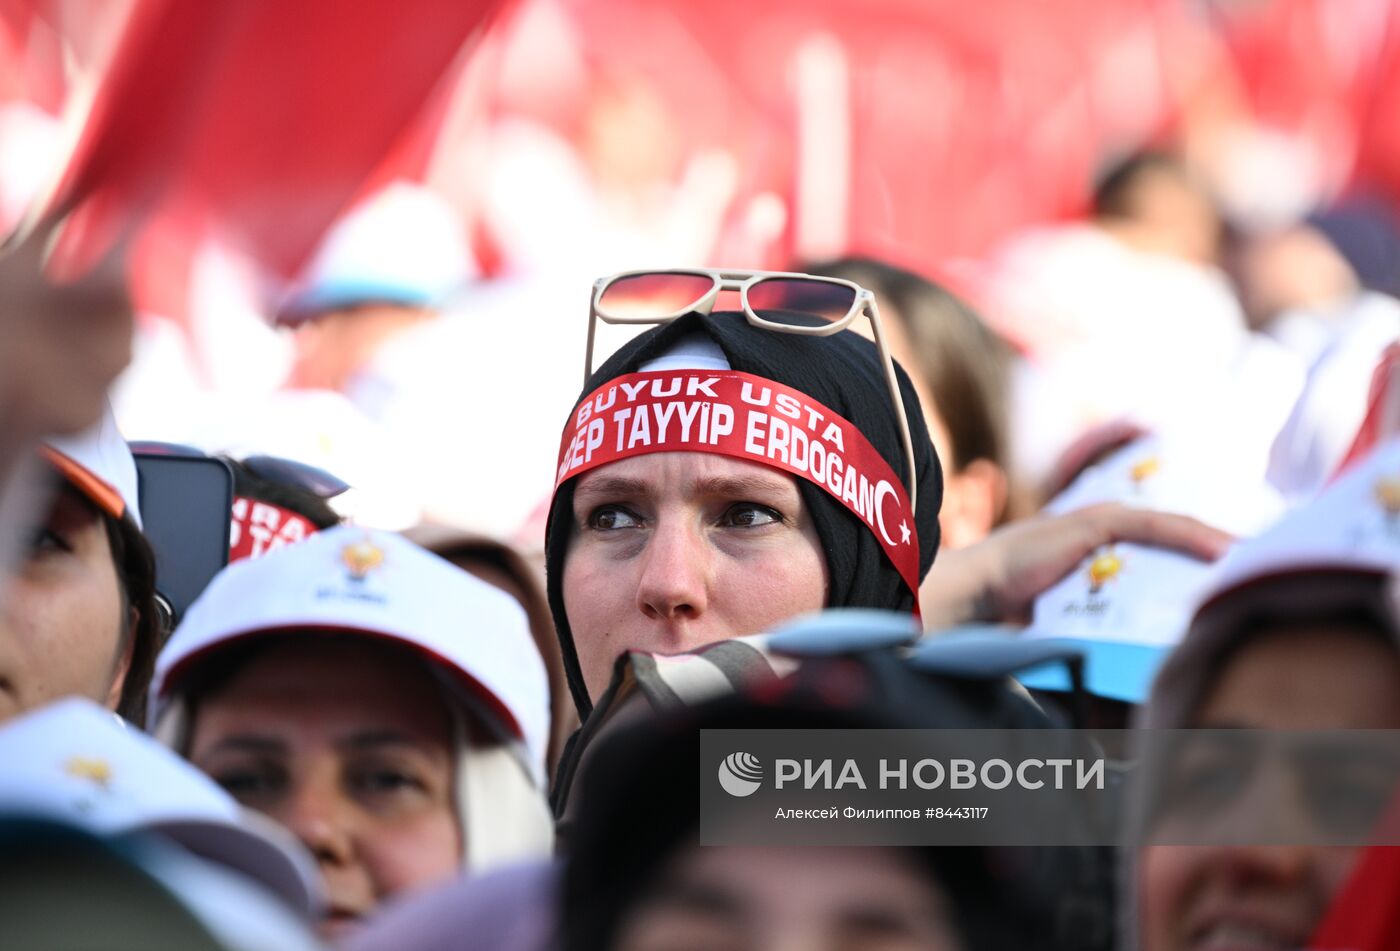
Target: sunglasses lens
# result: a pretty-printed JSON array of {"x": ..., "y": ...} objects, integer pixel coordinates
[
  {"x": 653, "y": 295},
  {"x": 821, "y": 299}
]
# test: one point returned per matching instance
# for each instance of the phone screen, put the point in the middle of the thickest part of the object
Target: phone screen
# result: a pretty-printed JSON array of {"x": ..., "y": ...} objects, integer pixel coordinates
[{"x": 185, "y": 505}]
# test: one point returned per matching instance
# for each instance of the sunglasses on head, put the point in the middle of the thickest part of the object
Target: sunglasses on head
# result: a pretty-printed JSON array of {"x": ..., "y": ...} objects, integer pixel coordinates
[
  {"x": 318, "y": 482},
  {"x": 783, "y": 302}
]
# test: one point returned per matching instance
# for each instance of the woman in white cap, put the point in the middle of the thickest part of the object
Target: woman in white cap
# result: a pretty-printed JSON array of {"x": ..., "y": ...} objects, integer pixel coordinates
[
  {"x": 1301, "y": 633},
  {"x": 388, "y": 708},
  {"x": 73, "y": 763},
  {"x": 79, "y": 615}
]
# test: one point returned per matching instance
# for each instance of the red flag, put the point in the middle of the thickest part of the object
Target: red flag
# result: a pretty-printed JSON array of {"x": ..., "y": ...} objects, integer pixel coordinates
[
  {"x": 269, "y": 115},
  {"x": 1382, "y": 409},
  {"x": 915, "y": 131},
  {"x": 1365, "y": 915}
]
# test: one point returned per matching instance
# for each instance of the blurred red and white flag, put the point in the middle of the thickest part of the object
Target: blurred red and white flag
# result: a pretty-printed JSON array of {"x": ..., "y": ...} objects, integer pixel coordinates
[
  {"x": 265, "y": 117},
  {"x": 1382, "y": 409},
  {"x": 1365, "y": 915}
]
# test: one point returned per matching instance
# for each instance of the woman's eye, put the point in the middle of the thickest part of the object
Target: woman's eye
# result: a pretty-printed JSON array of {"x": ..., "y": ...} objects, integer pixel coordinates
[
  {"x": 380, "y": 782},
  {"x": 248, "y": 785},
  {"x": 1346, "y": 804},
  {"x": 749, "y": 515},
  {"x": 46, "y": 541},
  {"x": 610, "y": 517},
  {"x": 1199, "y": 789}
]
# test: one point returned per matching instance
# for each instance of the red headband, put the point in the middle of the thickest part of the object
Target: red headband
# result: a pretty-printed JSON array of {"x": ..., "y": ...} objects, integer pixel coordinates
[
  {"x": 260, "y": 527},
  {"x": 747, "y": 417}
]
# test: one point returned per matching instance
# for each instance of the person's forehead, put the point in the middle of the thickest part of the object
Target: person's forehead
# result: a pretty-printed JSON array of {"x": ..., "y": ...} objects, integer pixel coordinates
[
  {"x": 687, "y": 473},
  {"x": 71, "y": 505},
  {"x": 313, "y": 722},
  {"x": 1282, "y": 666},
  {"x": 1306, "y": 645},
  {"x": 321, "y": 669}
]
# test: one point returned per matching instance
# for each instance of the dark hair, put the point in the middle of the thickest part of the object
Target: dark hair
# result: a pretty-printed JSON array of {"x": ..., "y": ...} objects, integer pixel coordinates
[
  {"x": 136, "y": 572},
  {"x": 294, "y": 498},
  {"x": 962, "y": 360},
  {"x": 1116, "y": 190}
]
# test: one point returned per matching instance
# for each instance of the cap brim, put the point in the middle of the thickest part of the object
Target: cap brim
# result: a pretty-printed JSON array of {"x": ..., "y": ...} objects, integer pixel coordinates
[
  {"x": 342, "y": 295},
  {"x": 493, "y": 706},
  {"x": 102, "y": 493},
  {"x": 1335, "y": 564},
  {"x": 984, "y": 651},
  {"x": 254, "y": 850},
  {"x": 1112, "y": 669}
]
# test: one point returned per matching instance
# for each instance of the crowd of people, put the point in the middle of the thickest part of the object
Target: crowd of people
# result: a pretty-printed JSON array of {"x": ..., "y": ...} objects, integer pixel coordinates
[{"x": 787, "y": 501}]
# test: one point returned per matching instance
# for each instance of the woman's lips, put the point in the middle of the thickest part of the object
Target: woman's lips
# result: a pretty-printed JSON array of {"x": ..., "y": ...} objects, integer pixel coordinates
[
  {"x": 337, "y": 922},
  {"x": 1253, "y": 931}
]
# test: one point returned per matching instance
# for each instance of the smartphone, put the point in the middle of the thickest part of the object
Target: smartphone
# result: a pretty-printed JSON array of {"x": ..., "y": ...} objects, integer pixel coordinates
[{"x": 185, "y": 506}]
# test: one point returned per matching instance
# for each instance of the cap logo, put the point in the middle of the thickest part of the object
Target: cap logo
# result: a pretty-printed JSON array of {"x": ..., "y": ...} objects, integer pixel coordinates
[
  {"x": 96, "y": 771},
  {"x": 1144, "y": 470},
  {"x": 1387, "y": 494},
  {"x": 1095, "y": 605},
  {"x": 1103, "y": 569},
  {"x": 361, "y": 558}
]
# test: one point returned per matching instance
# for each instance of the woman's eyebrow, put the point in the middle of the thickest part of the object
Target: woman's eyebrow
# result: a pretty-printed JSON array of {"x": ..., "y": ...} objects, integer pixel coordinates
[
  {"x": 1225, "y": 723},
  {"x": 248, "y": 743},
  {"x": 701, "y": 897},
  {"x": 881, "y": 918},
  {"x": 740, "y": 486},
  {"x": 69, "y": 508},
  {"x": 612, "y": 487},
  {"x": 374, "y": 739}
]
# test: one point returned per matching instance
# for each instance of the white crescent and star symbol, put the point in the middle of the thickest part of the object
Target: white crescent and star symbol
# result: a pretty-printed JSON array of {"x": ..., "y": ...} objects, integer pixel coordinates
[{"x": 881, "y": 490}]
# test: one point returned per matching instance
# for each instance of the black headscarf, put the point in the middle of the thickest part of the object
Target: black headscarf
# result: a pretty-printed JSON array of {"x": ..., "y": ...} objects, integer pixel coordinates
[{"x": 844, "y": 373}]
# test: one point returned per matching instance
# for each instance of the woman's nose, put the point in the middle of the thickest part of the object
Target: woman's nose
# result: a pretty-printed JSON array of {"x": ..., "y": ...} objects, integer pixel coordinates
[
  {"x": 319, "y": 815},
  {"x": 675, "y": 575},
  {"x": 1254, "y": 866}
]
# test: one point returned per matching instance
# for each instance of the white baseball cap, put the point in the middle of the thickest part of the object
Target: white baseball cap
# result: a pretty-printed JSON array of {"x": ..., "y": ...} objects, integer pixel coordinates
[
  {"x": 351, "y": 580},
  {"x": 1341, "y": 551},
  {"x": 404, "y": 245},
  {"x": 1352, "y": 525},
  {"x": 99, "y": 464},
  {"x": 1128, "y": 605},
  {"x": 77, "y": 763}
]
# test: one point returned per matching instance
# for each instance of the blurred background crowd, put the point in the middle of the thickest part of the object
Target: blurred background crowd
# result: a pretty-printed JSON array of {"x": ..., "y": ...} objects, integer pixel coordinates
[
  {"x": 1119, "y": 190},
  {"x": 1139, "y": 259}
]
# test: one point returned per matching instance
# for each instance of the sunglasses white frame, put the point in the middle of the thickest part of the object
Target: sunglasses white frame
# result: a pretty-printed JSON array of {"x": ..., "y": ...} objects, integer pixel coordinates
[{"x": 741, "y": 281}]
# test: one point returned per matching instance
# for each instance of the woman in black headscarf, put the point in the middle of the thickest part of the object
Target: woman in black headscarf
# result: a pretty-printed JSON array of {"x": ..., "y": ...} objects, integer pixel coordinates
[
  {"x": 679, "y": 542},
  {"x": 725, "y": 472}
]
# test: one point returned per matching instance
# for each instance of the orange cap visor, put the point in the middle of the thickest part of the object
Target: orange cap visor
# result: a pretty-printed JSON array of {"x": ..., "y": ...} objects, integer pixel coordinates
[{"x": 103, "y": 494}]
